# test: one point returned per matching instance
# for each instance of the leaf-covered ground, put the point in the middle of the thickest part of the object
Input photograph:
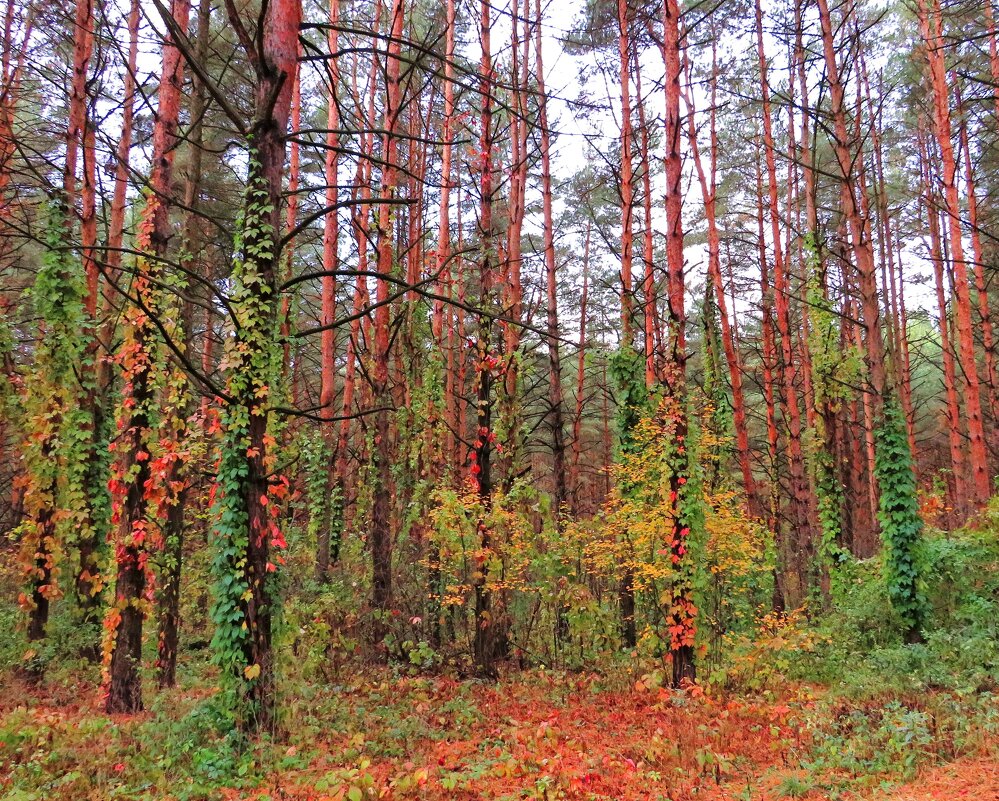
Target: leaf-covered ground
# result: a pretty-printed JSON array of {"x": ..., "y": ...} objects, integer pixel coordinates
[{"x": 534, "y": 735}]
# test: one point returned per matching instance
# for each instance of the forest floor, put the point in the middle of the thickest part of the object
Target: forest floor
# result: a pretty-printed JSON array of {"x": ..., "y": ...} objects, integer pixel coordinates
[{"x": 533, "y": 735}]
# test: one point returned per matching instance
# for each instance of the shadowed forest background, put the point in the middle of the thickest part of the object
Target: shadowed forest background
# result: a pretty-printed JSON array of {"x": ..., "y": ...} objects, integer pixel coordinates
[{"x": 436, "y": 399}]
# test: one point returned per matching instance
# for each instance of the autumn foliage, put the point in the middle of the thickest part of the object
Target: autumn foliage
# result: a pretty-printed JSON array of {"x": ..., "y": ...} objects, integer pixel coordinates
[{"x": 489, "y": 400}]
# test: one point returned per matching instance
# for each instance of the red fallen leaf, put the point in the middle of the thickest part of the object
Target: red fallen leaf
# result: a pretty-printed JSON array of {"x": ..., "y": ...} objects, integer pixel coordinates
[{"x": 118, "y": 767}]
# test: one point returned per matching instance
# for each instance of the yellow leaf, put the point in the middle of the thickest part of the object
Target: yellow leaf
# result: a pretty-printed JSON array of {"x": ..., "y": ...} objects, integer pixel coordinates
[{"x": 251, "y": 671}]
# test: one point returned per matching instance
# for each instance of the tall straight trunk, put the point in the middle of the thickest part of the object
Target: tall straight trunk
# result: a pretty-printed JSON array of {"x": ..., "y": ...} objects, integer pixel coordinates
[
  {"x": 682, "y": 616},
  {"x": 627, "y": 175},
  {"x": 485, "y": 641},
  {"x": 930, "y": 202},
  {"x": 859, "y": 225},
  {"x": 246, "y": 464},
  {"x": 512, "y": 264},
  {"x": 905, "y": 356},
  {"x": 444, "y": 275},
  {"x": 116, "y": 227},
  {"x": 769, "y": 396},
  {"x": 867, "y": 545},
  {"x": 822, "y": 334},
  {"x": 886, "y": 256},
  {"x": 381, "y": 535},
  {"x": 83, "y": 48},
  {"x": 990, "y": 29},
  {"x": 981, "y": 288},
  {"x": 116, "y": 220},
  {"x": 92, "y": 531},
  {"x": 331, "y": 262},
  {"x": 863, "y": 539},
  {"x": 288, "y": 251},
  {"x": 650, "y": 309},
  {"x": 931, "y": 27},
  {"x": 362, "y": 239},
  {"x": 707, "y": 179},
  {"x": 793, "y": 227},
  {"x": 800, "y": 552},
  {"x": 138, "y": 358},
  {"x": 10, "y": 90},
  {"x": 419, "y": 135},
  {"x": 954, "y": 428},
  {"x": 577, "y": 419},
  {"x": 556, "y": 411},
  {"x": 80, "y": 138},
  {"x": 461, "y": 374},
  {"x": 443, "y": 269},
  {"x": 900, "y": 364},
  {"x": 627, "y": 588},
  {"x": 11, "y": 73},
  {"x": 173, "y": 533}
]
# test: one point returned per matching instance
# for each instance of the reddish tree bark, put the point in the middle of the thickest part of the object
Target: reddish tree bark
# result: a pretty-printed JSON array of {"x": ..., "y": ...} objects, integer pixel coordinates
[
  {"x": 10, "y": 91},
  {"x": 274, "y": 55},
  {"x": 650, "y": 316},
  {"x": 83, "y": 48},
  {"x": 362, "y": 239},
  {"x": 331, "y": 262},
  {"x": 116, "y": 220},
  {"x": 168, "y": 638},
  {"x": 681, "y": 617},
  {"x": 931, "y": 27},
  {"x": 555, "y": 410},
  {"x": 627, "y": 174},
  {"x": 801, "y": 546},
  {"x": 443, "y": 269},
  {"x": 981, "y": 288},
  {"x": 137, "y": 358},
  {"x": 859, "y": 225},
  {"x": 288, "y": 251},
  {"x": 959, "y": 488},
  {"x": 709, "y": 195},
  {"x": 990, "y": 28},
  {"x": 768, "y": 359}
]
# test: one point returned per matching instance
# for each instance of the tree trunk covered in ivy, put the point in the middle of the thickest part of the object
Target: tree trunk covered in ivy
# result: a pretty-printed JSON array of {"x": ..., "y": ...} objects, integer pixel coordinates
[
  {"x": 139, "y": 495},
  {"x": 245, "y": 528},
  {"x": 55, "y": 456},
  {"x": 901, "y": 525},
  {"x": 682, "y": 613}
]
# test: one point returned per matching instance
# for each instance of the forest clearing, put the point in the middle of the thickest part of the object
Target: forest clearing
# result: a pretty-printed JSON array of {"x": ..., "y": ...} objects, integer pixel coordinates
[{"x": 499, "y": 399}]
